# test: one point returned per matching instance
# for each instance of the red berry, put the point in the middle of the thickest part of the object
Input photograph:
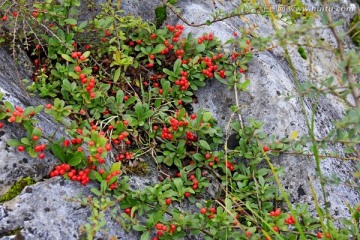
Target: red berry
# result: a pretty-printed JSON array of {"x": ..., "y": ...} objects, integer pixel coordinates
[
  {"x": 193, "y": 116},
  {"x": 266, "y": 148},
  {"x": 4, "y": 18},
  {"x": 35, "y": 14},
  {"x": 35, "y": 138},
  {"x": 1, "y": 125},
  {"x": 20, "y": 148},
  {"x": 319, "y": 235},
  {"x": 48, "y": 106},
  {"x": 187, "y": 194},
  {"x": 203, "y": 210},
  {"x": 127, "y": 211},
  {"x": 77, "y": 69},
  {"x": 41, "y": 155},
  {"x": 168, "y": 201},
  {"x": 207, "y": 156}
]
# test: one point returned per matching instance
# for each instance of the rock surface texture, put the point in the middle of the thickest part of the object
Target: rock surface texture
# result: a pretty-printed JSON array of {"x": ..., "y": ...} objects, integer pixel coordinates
[{"x": 47, "y": 210}]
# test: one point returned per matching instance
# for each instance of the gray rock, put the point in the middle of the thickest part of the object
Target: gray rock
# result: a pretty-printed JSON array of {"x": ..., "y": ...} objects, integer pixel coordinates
[
  {"x": 15, "y": 165},
  {"x": 271, "y": 82},
  {"x": 51, "y": 210}
]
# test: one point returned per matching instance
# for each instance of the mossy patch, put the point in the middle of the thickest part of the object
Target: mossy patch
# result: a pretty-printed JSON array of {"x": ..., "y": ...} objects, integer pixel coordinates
[
  {"x": 139, "y": 168},
  {"x": 161, "y": 15},
  {"x": 16, "y": 189},
  {"x": 355, "y": 33},
  {"x": 16, "y": 232}
]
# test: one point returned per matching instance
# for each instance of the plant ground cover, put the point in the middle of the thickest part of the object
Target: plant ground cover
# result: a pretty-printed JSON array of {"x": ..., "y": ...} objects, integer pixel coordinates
[{"x": 122, "y": 88}]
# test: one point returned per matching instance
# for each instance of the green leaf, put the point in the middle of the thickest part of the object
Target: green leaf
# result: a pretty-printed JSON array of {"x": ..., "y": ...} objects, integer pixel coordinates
[
  {"x": 94, "y": 175},
  {"x": 158, "y": 48},
  {"x": 26, "y": 141},
  {"x": 71, "y": 21},
  {"x": 119, "y": 97},
  {"x": 58, "y": 152},
  {"x": 228, "y": 203},
  {"x": 200, "y": 47},
  {"x": 9, "y": 106},
  {"x": 145, "y": 236},
  {"x": 117, "y": 75},
  {"x": 86, "y": 54},
  {"x": 177, "y": 65},
  {"x": 83, "y": 24},
  {"x": 207, "y": 116},
  {"x": 168, "y": 72},
  {"x": 31, "y": 152},
  {"x": 13, "y": 143},
  {"x": 179, "y": 185},
  {"x": 37, "y": 132},
  {"x": 139, "y": 228},
  {"x": 205, "y": 145},
  {"x": 198, "y": 156},
  {"x": 76, "y": 159},
  {"x": 95, "y": 191},
  {"x": 115, "y": 167},
  {"x": 67, "y": 58}
]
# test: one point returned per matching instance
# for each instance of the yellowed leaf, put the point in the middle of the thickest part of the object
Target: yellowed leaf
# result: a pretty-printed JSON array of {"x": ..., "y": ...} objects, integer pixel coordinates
[{"x": 294, "y": 135}]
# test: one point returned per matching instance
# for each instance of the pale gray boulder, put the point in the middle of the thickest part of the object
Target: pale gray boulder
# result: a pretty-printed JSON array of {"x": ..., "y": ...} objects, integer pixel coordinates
[{"x": 271, "y": 82}]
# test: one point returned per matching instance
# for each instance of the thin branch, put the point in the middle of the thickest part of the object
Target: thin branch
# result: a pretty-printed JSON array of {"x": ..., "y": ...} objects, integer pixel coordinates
[{"x": 199, "y": 24}]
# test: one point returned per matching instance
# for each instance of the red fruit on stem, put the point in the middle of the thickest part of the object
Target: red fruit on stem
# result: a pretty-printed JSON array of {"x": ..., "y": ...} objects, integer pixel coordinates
[
  {"x": 35, "y": 14},
  {"x": 77, "y": 69},
  {"x": 20, "y": 148},
  {"x": 35, "y": 137},
  {"x": 266, "y": 148},
  {"x": 168, "y": 201}
]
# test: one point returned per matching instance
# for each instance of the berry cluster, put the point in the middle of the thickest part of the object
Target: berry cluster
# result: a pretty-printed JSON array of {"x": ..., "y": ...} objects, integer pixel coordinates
[
  {"x": 113, "y": 174},
  {"x": 290, "y": 220},
  {"x": 175, "y": 124},
  {"x": 161, "y": 229},
  {"x": 80, "y": 176},
  {"x": 275, "y": 213},
  {"x": 165, "y": 134},
  {"x": 211, "y": 213},
  {"x": 60, "y": 170},
  {"x": 177, "y": 30},
  {"x": 191, "y": 137},
  {"x": 211, "y": 67},
  {"x": 17, "y": 114},
  {"x": 122, "y": 157},
  {"x": 183, "y": 82},
  {"x": 230, "y": 166},
  {"x": 78, "y": 55},
  {"x": 205, "y": 37}
]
